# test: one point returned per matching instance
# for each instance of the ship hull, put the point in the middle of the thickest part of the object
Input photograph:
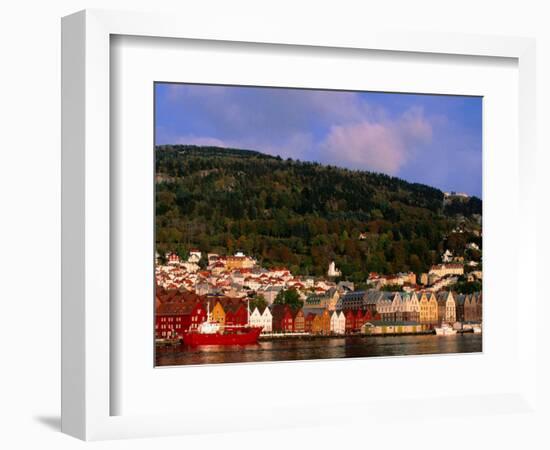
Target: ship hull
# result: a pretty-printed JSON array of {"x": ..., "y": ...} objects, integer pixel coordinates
[{"x": 242, "y": 337}]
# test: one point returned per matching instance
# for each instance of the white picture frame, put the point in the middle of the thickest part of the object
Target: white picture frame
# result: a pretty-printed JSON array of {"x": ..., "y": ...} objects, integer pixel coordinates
[{"x": 87, "y": 318}]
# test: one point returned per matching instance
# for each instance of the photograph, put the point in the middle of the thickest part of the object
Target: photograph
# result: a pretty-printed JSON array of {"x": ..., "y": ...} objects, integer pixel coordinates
[{"x": 298, "y": 224}]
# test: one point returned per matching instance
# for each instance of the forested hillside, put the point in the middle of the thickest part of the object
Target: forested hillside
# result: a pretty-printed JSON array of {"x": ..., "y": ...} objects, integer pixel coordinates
[{"x": 300, "y": 214}]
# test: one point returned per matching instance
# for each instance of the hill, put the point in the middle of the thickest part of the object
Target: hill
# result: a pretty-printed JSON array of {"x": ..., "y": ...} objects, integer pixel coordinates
[{"x": 301, "y": 214}]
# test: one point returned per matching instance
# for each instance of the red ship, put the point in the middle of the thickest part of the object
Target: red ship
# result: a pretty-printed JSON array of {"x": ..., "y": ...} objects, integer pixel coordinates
[{"x": 212, "y": 333}]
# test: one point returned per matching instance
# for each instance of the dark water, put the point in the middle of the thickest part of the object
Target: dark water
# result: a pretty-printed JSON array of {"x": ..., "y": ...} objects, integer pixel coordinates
[{"x": 301, "y": 349}]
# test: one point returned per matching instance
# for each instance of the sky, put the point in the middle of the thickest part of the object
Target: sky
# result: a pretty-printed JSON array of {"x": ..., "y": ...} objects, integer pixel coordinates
[{"x": 430, "y": 139}]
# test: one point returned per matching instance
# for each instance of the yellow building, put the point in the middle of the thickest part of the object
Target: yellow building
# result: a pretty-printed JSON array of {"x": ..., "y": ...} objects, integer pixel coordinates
[
  {"x": 239, "y": 261},
  {"x": 428, "y": 308},
  {"x": 316, "y": 325},
  {"x": 325, "y": 322},
  {"x": 218, "y": 314}
]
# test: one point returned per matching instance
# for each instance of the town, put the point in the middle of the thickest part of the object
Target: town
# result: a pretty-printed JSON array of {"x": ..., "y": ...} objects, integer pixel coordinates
[{"x": 235, "y": 291}]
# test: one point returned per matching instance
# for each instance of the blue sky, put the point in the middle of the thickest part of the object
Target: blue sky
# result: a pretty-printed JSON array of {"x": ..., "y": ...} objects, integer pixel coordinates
[{"x": 430, "y": 139}]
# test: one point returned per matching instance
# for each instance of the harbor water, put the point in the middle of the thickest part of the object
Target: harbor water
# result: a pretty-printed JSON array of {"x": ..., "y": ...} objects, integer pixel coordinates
[{"x": 293, "y": 349}]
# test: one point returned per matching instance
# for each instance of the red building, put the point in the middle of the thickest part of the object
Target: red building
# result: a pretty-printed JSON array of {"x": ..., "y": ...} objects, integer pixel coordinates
[
  {"x": 308, "y": 323},
  {"x": 350, "y": 321},
  {"x": 288, "y": 321},
  {"x": 278, "y": 312},
  {"x": 361, "y": 319},
  {"x": 229, "y": 317},
  {"x": 282, "y": 318},
  {"x": 173, "y": 258},
  {"x": 241, "y": 315},
  {"x": 172, "y": 319},
  {"x": 198, "y": 315}
]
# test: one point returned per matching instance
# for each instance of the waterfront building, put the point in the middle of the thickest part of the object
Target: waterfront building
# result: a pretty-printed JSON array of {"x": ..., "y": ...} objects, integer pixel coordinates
[
  {"x": 198, "y": 315},
  {"x": 446, "y": 304},
  {"x": 350, "y": 320},
  {"x": 460, "y": 300},
  {"x": 341, "y": 322},
  {"x": 410, "y": 307},
  {"x": 480, "y": 306},
  {"x": 288, "y": 321},
  {"x": 299, "y": 321},
  {"x": 309, "y": 322},
  {"x": 428, "y": 308},
  {"x": 317, "y": 325},
  {"x": 256, "y": 318},
  {"x": 278, "y": 312},
  {"x": 386, "y": 305},
  {"x": 328, "y": 299},
  {"x": 351, "y": 300},
  {"x": 397, "y": 307},
  {"x": 337, "y": 322},
  {"x": 473, "y": 308},
  {"x": 361, "y": 318},
  {"x": 469, "y": 308},
  {"x": 172, "y": 318},
  {"x": 267, "y": 320},
  {"x": 325, "y": 322},
  {"x": 217, "y": 313}
]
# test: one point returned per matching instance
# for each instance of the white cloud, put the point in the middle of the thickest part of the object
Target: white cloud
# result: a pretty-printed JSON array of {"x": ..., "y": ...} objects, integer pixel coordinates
[{"x": 382, "y": 146}]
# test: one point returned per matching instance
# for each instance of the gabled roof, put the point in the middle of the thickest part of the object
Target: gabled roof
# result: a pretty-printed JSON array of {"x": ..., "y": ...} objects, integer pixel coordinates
[{"x": 459, "y": 298}]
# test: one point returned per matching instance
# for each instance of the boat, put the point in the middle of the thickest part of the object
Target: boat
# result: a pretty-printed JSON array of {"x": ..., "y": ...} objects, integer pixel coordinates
[
  {"x": 210, "y": 332},
  {"x": 445, "y": 330}
]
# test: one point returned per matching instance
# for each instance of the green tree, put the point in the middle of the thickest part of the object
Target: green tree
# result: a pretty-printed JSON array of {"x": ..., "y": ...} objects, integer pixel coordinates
[
  {"x": 289, "y": 297},
  {"x": 466, "y": 287},
  {"x": 258, "y": 302},
  {"x": 393, "y": 288}
]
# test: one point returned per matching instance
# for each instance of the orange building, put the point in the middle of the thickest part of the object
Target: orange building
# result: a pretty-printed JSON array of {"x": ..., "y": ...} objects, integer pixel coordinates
[{"x": 299, "y": 321}]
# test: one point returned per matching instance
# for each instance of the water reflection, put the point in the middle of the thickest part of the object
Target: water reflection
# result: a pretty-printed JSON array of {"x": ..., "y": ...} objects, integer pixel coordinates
[{"x": 298, "y": 349}]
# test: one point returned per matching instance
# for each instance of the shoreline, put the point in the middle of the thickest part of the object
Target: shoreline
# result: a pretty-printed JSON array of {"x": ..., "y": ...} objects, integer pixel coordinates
[
  {"x": 349, "y": 335},
  {"x": 312, "y": 337}
]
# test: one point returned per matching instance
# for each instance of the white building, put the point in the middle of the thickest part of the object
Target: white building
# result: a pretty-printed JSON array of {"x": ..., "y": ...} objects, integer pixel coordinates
[
  {"x": 446, "y": 307},
  {"x": 440, "y": 270},
  {"x": 267, "y": 320},
  {"x": 172, "y": 258},
  {"x": 194, "y": 256},
  {"x": 338, "y": 322},
  {"x": 262, "y": 319},
  {"x": 333, "y": 271},
  {"x": 447, "y": 257}
]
